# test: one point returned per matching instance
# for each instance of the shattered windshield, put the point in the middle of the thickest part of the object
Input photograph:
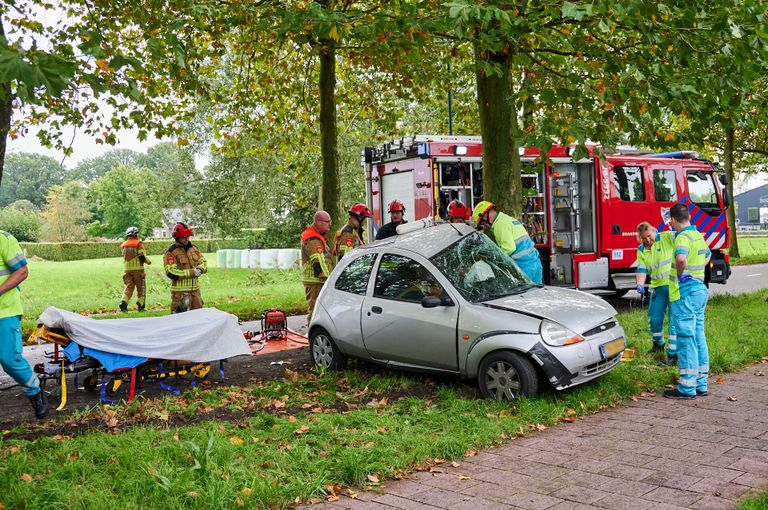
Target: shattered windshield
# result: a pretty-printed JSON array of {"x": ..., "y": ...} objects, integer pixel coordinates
[{"x": 479, "y": 270}]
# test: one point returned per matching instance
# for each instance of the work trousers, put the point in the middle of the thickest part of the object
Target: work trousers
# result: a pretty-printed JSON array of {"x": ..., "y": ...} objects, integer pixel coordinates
[
  {"x": 182, "y": 301},
  {"x": 531, "y": 267},
  {"x": 692, "y": 351},
  {"x": 659, "y": 307},
  {"x": 311, "y": 290},
  {"x": 11, "y": 358},
  {"x": 135, "y": 280}
]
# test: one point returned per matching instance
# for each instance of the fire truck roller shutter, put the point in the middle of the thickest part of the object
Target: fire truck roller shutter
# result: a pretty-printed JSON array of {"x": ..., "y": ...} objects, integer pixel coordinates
[{"x": 398, "y": 186}]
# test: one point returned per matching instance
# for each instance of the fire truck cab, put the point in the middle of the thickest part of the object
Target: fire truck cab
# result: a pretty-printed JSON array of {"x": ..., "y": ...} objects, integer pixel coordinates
[{"x": 582, "y": 215}]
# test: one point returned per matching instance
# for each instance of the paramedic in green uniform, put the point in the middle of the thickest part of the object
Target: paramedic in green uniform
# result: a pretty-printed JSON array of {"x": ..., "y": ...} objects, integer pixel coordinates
[{"x": 13, "y": 271}]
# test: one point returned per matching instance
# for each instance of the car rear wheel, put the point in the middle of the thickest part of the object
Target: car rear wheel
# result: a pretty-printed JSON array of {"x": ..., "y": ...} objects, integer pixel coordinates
[
  {"x": 506, "y": 375},
  {"x": 324, "y": 352}
]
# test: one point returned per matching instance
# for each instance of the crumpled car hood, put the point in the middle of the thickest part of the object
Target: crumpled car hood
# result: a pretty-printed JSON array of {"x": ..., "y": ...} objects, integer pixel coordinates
[{"x": 576, "y": 310}]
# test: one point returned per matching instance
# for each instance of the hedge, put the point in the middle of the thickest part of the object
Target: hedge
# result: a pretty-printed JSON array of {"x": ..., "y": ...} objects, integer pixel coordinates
[{"x": 100, "y": 250}]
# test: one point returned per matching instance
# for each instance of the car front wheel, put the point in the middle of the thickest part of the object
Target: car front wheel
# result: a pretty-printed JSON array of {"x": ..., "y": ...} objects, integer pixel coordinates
[
  {"x": 506, "y": 375},
  {"x": 324, "y": 352}
]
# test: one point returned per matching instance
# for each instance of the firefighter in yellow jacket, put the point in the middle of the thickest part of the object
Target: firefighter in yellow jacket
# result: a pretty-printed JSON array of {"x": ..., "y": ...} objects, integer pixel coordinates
[
  {"x": 316, "y": 258},
  {"x": 351, "y": 235},
  {"x": 184, "y": 264},
  {"x": 134, "y": 258}
]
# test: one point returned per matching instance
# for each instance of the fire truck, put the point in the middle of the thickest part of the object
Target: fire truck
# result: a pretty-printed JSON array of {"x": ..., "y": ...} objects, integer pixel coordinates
[{"x": 582, "y": 215}]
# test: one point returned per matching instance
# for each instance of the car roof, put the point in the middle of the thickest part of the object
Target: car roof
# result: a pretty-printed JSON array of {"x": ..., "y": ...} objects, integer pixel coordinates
[{"x": 427, "y": 241}]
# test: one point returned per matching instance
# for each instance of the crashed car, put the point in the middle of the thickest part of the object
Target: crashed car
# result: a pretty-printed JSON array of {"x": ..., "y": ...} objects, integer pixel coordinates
[{"x": 445, "y": 299}]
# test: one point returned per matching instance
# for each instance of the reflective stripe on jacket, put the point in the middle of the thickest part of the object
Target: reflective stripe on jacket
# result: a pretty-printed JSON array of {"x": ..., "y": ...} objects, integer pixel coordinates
[
  {"x": 657, "y": 260},
  {"x": 180, "y": 264},
  {"x": 133, "y": 251},
  {"x": 347, "y": 238},
  {"x": 316, "y": 256},
  {"x": 513, "y": 238},
  {"x": 11, "y": 259},
  {"x": 691, "y": 243}
]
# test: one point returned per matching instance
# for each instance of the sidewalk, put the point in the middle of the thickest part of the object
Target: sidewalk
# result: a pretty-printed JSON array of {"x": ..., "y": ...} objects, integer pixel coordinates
[{"x": 652, "y": 453}]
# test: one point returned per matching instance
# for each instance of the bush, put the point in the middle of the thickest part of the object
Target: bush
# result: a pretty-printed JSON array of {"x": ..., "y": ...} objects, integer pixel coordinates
[
  {"x": 100, "y": 250},
  {"x": 23, "y": 225}
]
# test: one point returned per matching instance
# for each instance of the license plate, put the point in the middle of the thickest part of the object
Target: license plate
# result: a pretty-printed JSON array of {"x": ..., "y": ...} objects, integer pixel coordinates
[{"x": 612, "y": 348}]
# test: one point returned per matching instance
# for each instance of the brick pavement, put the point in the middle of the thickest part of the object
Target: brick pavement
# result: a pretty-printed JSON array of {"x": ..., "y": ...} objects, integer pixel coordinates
[{"x": 652, "y": 453}]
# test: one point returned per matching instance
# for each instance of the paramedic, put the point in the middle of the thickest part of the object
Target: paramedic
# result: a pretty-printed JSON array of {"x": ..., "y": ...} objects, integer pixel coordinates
[
  {"x": 396, "y": 211},
  {"x": 316, "y": 258},
  {"x": 134, "y": 257},
  {"x": 351, "y": 235},
  {"x": 184, "y": 263},
  {"x": 511, "y": 237},
  {"x": 13, "y": 271}
]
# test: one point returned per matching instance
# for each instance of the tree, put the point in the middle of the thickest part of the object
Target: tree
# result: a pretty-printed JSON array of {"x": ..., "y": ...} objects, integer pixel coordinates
[
  {"x": 28, "y": 177},
  {"x": 65, "y": 214},
  {"x": 23, "y": 225},
  {"x": 90, "y": 169}
]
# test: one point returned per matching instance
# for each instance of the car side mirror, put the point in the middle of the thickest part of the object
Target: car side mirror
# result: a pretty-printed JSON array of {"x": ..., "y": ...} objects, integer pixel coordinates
[
  {"x": 723, "y": 179},
  {"x": 445, "y": 300},
  {"x": 726, "y": 198},
  {"x": 431, "y": 301}
]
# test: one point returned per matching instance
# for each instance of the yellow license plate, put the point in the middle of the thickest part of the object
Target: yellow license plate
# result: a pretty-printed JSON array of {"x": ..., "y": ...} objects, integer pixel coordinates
[{"x": 612, "y": 348}]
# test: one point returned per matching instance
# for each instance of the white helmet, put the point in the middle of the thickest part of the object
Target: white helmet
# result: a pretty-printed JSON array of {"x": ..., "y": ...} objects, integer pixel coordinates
[{"x": 131, "y": 231}]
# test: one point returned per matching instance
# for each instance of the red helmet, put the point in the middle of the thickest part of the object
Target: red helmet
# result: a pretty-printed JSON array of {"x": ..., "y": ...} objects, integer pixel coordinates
[
  {"x": 360, "y": 210},
  {"x": 457, "y": 209},
  {"x": 181, "y": 230},
  {"x": 395, "y": 206}
]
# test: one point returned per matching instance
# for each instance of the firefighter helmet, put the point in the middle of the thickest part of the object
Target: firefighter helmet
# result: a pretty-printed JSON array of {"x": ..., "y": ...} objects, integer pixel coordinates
[
  {"x": 396, "y": 206},
  {"x": 181, "y": 230},
  {"x": 457, "y": 209},
  {"x": 481, "y": 210},
  {"x": 131, "y": 231},
  {"x": 360, "y": 210}
]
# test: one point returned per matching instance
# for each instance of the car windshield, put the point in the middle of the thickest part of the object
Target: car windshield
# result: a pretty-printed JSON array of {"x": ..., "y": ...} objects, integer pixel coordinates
[{"x": 480, "y": 270}]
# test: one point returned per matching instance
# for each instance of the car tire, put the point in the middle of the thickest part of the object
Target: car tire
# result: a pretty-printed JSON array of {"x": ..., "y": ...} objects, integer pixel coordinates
[
  {"x": 506, "y": 375},
  {"x": 323, "y": 351}
]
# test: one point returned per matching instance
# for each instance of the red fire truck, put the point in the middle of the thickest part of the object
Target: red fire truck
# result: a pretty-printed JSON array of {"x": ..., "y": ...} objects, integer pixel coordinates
[{"x": 582, "y": 215}]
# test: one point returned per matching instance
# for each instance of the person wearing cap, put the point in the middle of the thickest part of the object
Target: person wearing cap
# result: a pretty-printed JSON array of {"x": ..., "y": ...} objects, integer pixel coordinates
[
  {"x": 396, "y": 212},
  {"x": 184, "y": 263},
  {"x": 350, "y": 236},
  {"x": 134, "y": 258},
  {"x": 457, "y": 212},
  {"x": 510, "y": 235}
]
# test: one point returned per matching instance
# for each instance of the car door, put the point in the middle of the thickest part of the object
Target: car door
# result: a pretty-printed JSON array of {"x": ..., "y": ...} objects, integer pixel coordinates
[{"x": 397, "y": 328}]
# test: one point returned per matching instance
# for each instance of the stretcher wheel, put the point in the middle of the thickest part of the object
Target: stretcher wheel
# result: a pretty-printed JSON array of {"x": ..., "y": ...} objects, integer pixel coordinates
[
  {"x": 113, "y": 387},
  {"x": 91, "y": 382}
]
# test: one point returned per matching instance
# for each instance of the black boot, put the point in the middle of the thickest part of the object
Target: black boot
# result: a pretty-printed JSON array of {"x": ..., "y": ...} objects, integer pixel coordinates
[
  {"x": 656, "y": 349},
  {"x": 123, "y": 306},
  {"x": 40, "y": 404},
  {"x": 140, "y": 307}
]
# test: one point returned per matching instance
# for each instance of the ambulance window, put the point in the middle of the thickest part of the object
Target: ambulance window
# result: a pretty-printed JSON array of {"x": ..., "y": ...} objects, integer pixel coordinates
[
  {"x": 664, "y": 187},
  {"x": 355, "y": 276},
  {"x": 628, "y": 183},
  {"x": 701, "y": 189}
]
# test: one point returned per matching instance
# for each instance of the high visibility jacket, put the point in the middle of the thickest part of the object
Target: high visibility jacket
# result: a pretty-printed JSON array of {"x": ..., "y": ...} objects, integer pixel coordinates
[
  {"x": 316, "y": 256},
  {"x": 657, "y": 261},
  {"x": 11, "y": 259},
  {"x": 512, "y": 237},
  {"x": 134, "y": 255},
  {"x": 691, "y": 243},
  {"x": 347, "y": 238},
  {"x": 180, "y": 264}
]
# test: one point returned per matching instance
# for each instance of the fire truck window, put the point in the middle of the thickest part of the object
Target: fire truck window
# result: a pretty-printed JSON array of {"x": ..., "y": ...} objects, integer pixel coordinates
[
  {"x": 701, "y": 189},
  {"x": 404, "y": 279},
  {"x": 664, "y": 186},
  {"x": 355, "y": 276},
  {"x": 628, "y": 183}
]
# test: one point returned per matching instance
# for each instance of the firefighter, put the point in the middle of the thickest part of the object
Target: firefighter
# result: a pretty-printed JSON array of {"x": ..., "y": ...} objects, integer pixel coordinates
[
  {"x": 689, "y": 300},
  {"x": 396, "y": 211},
  {"x": 351, "y": 235},
  {"x": 457, "y": 211},
  {"x": 654, "y": 260},
  {"x": 511, "y": 237},
  {"x": 316, "y": 258},
  {"x": 184, "y": 264},
  {"x": 13, "y": 271},
  {"x": 134, "y": 257}
]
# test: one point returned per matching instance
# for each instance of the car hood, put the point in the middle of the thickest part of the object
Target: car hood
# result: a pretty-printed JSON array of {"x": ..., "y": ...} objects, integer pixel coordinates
[{"x": 573, "y": 309}]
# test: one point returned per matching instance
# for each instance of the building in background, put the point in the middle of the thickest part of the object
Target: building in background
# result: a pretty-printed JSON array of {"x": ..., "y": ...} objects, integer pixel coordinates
[{"x": 752, "y": 209}]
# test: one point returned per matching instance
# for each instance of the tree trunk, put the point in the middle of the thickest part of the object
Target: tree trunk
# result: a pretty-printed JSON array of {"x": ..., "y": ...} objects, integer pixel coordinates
[
  {"x": 733, "y": 250},
  {"x": 500, "y": 185},
  {"x": 330, "y": 188},
  {"x": 6, "y": 111}
]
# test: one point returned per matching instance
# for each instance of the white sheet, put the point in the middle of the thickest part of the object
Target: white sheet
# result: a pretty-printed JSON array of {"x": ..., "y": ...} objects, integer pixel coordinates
[{"x": 206, "y": 334}]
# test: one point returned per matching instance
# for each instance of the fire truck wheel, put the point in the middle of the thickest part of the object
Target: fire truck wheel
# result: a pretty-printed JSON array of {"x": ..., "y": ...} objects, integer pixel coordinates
[
  {"x": 323, "y": 351},
  {"x": 506, "y": 375}
]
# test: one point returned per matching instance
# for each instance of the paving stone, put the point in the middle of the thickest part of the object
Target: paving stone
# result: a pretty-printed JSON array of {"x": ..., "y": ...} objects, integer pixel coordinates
[
  {"x": 673, "y": 480},
  {"x": 673, "y": 496},
  {"x": 397, "y": 502},
  {"x": 449, "y": 482},
  {"x": 532, "y": 501},
  {"x": 572, "y": 505},
  {"x": 714, "y": 503},
  {"x": 751, "y": 466},
  {"x": 579, "y": 494},
  {"x": 751, "y": 480},
  {"x": 720, "y": 489},
  {"x": 436, "y": 497},
  {"x": 628, "y": 472},
  {"x": 619, "y": 502},
  {"x": 404, "y": 488},
  {"x": 492, "y": 491},
  {"x": 629, "y": 488},
  {"x": 473, "y": 503}
]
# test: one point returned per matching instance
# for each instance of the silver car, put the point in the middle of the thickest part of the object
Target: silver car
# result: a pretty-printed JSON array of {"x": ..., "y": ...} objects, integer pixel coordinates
[{"x": 445, "y": 299}]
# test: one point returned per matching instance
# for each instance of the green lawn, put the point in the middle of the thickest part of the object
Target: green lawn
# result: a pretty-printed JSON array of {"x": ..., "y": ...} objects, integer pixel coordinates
[
  {"x": 752, "y": 250},
  {"x": 317, "y": 434},
  {"x": 96, "y": 286}
]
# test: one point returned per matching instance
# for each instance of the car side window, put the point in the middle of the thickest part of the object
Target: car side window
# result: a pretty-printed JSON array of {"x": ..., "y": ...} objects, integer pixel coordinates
[
  {"x": 628, "y": 183},
  {"x": 404, "y": 279},
  {"x": 354, "y": 277}
]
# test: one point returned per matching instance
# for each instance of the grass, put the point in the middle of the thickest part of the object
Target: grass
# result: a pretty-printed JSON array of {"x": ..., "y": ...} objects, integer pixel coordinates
[
  {"x": 319, "y": 434},
  {"x": 757, "y": 502},
  {"x": 96, "y": 287},
  {"x": 752, "y": 250}
]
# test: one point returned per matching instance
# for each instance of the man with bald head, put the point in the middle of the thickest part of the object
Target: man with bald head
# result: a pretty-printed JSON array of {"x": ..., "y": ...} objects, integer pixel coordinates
[{"x": 316, "y": 258}]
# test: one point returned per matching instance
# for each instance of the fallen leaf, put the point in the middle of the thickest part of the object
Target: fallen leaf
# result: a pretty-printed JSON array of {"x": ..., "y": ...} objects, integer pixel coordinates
[
  {"x": 301, "y": 430},
  {"x": 720, "y": 380},
  {"x": 470, "y": 453},
  {"x": 112, "y": 423},
  {"x": 292, "y": 419},
  {"x": 760, "y": 373},
  {"x": 163, "y": 415},
  {"x": 503, "y": 413},
  {"x": 74, "y": 456},
  {"x": 246, "y": 492},
  {"x": 455, "y": 464},
  {"x": 238, "y": 501},
  {"x": 352, "y": 494},
  {"x": 436, "y": 470},
  {"x": 236, "y": 440},
  {"x": 369, "y": 444},
  {"x": 332, "y": 497},
  {"x": 463, "y": 477},
  {"x": 26, "y": 477},
  {"x": 438, "y": 461},
  {"x": 278, "y": 404},
  {"x": 732, "y": 399},
  {"x": 291, "y": 375},
  {"x": 323, "y": 453},
  {"x": 382, "y": 430},
  {"x": 192, "y": 494},
  {"x": 373, "y": 478}
]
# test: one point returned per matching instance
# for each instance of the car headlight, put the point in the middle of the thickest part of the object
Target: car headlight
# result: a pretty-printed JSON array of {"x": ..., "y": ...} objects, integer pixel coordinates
[{"x": 558, "y": 335}]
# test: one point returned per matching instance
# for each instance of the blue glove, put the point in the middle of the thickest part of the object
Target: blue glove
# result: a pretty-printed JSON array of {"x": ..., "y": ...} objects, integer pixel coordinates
[
  {"x": 684, "y": 278},
  {"x": 640, "y": 289}
]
